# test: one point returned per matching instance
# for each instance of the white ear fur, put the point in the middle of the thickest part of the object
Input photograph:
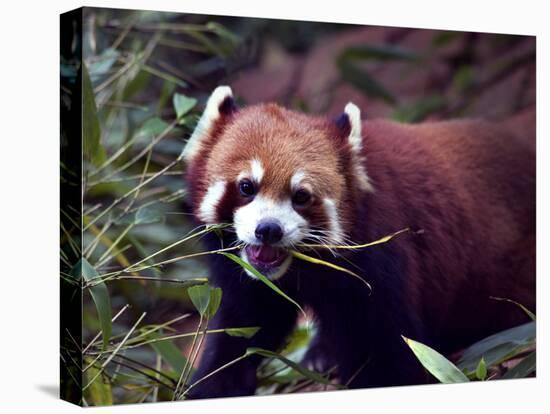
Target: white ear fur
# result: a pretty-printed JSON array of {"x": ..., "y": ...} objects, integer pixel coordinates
[
  {"x": 354, "y": 116},
  {"x": 355, "y": 140},
  {"x": 210, "y": 115}
]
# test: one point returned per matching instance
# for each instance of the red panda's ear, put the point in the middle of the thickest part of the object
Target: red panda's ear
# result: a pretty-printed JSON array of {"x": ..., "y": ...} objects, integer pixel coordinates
[
  {"x": 349, "y": 123},
  {"x": 220, "y": 104},
  {"x": 354, "y": 138}
]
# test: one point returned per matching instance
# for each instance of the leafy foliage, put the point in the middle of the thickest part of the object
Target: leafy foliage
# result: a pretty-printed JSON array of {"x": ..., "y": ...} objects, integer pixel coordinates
[
  {"x": 488, "y": 354},
  {"x": 93, "y": 150},
  {"x": 439, "y": 366},
  {"x": 264, "y": 279},
  {"x": 499, "y": 347},
  {"x": 145, "y": 78},
  {"x": 100, "y": 296},
  {"x": 350, "y": 64}
]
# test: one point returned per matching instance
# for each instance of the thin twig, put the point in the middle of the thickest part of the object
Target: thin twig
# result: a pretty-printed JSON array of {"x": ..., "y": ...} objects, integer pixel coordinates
[
  {"x": 78, "y": 346},
  {"x": 141, "y": 364},
  {"x": 137, "y": 157},
  {"x": 357, "y": 246},
  {"x": 187, "y": 364},
  {"x": 166, "y": 338},
  {"x": 127, "y": 178},
  {"x": 196, "y": 280},
  {"x": 187, "y": 256},
  {"x": 106, "y": 277},
  {"x": 124, "y": 33},
  {"x": 230, "y": 363},
  {"x": 107, "y": 259},
  {"x": 114, "y": 244},
  {"x": 114, "y": 352},
  {"x": 194, "y": 356},
  {"x": 356, "y": 373},
  {"x": 177, "y": 243},
  {"x": 88, "y": 251},
  {"x": 158, "y": 367},
  {"x": 157, "y": 327},
  {"x": 145, "y": 374},
  {"x": 130, "y": 192},
  {"x": 120, "y": 312}
]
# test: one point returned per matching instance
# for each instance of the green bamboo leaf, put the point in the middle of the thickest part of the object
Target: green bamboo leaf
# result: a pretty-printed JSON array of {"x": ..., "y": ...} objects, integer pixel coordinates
[
  {"x": 99, "y": 393},
  {"x": 525, "y": 367},
  {"x": 165, "y": 94},
  {"x": 215, "y": 300},
  {"x": 439, "y": 366},
  {"x": 351, "y": 70},
  {"x": 242, "y": 332},
  {"x": 143, "y": 215},
  {"x": 169, "y": 352},
  {"x": 103, "y": 63},
  {"x": 136, "y": 80},
  {"x": 312, "y": 375},
  {"x": 151, "y": 128},
  {"x": 285, "y": 377},
  {"x": 183, "y": 104},
  {"x": 100, "y": 296},
  {"x": 227, "y": 42},
  {"x": 362, "y": 80},
  {"x": 463, "y": 78},
  {"x": 261, "y": 277},
  {"x": 299, "y": 339},
  {"x": 315, "y": 260},
  {"x": 499, "y": 347},
  {"x": 91, "y": 129},
  {"x": 147, "y": 215},
  {"x": 481, "y": 370},
  {"x": 382, "y": 240},
  {"x": 418, "y": 110},
  {"x": 523, "y": 308},
  {"x": 222, "y": 32},
  {"x": 378, "y": 52},
  {"x": 444, "y": 38},
  {"x": 200, "y": 296},
  {"x": 206, "y": 41}
]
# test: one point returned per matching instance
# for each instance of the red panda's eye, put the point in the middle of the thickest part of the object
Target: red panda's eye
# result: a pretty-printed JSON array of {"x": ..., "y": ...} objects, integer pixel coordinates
[
  {"x": 301, "y": 198},
  {"x": 246, "y": 187}
]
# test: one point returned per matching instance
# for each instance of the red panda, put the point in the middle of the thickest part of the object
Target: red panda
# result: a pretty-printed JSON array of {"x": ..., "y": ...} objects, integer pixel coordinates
[{"x": 466, "y": 189}]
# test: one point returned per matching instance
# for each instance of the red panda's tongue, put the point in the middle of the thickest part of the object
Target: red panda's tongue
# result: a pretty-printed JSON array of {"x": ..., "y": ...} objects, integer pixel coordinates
[{"x": 265, "y": 255}]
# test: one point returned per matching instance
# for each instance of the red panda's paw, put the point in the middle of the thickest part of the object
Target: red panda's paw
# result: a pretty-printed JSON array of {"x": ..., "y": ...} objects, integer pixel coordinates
[{"x": 317, "y": 357}]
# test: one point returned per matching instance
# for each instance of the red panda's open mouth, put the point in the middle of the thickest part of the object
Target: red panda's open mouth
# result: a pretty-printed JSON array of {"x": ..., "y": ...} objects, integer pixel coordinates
[{"x": 265, "y": 257}]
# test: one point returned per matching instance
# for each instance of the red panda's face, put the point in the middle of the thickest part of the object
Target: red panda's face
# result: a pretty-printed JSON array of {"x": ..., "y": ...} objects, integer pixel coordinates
[{"x": 277, "y": 176}]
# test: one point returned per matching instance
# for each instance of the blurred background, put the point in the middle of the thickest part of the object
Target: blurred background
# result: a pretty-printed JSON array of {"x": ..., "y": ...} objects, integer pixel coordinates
[{"x": 146, "y": 79}]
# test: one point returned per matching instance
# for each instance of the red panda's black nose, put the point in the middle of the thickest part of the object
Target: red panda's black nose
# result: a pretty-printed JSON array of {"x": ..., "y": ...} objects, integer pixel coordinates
[{"x": 269, "y": 232}]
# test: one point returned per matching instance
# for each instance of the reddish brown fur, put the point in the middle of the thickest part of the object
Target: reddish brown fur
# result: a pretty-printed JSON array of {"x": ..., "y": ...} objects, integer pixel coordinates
[
  {"x": 284, "y": 142},
  {"x": 470, "y": 186}
]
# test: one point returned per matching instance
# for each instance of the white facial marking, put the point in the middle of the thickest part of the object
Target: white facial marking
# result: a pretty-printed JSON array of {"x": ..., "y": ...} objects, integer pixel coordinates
[
  {"x": 361, "y": 174},
  {"x": 281, "y": 270},
  {"x": 242, "y": 174},
  {"x": 257, "y": 171},
  {"x": 296, "y": 179},
  {"x": 210, "y": 115},
  {"x": 209, "y": 204},
  {"x": 356, "y": 142},
  {"x": 246, "y": 220},
  {"x": 334, "y": 222}
]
